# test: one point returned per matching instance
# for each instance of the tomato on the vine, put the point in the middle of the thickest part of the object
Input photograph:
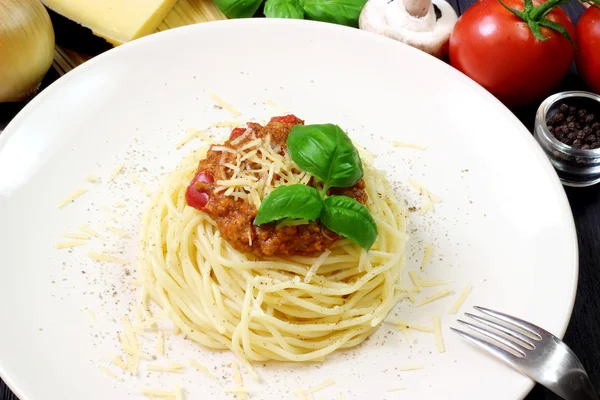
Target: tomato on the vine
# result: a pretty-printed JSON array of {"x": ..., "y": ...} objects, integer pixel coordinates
[
  {"x": 588, "y": 48},
  {"x": 518, "y": 50}
]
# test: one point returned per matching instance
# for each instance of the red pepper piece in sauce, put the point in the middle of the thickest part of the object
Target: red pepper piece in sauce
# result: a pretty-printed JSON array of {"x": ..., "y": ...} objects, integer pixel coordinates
[
  {"x": 194, "y": 197},
  {"x": 287, "y": 119},
  {"x": 236, "y": 132}
]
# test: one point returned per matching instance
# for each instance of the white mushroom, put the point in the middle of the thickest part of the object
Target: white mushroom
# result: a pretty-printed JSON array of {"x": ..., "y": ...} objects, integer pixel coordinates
[{"x": 424, "y": 24}]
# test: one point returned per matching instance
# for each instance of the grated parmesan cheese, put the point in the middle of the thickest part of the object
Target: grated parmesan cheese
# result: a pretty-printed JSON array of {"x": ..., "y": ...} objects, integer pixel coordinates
[
  {"x": 151, "y": 322},
  {"x": 90, "y": 314},
  {"x": 82, "y": 236},
  {"x": 118, "y": 361},
  {"x": 395, "y": 143},
  {"x": 71, "y": 197},
  {"x": 172, "y": 367},
  {"x": 157, "y": 393},
  {"x": 318, "y": 262},
  {"x": 410, "y": 367},
  {"x": 93, "y": 179},
  {"x": 300, "y": 393},
  {"x": 426, "y": 256},
  {"x": 277, "y": 106},
  {"x": 322, "y": 385},
  {"x": 92, "y": 232},
  {"x": 434, "y": 297},
  {"x": 116, "y": 231},
  {"x": 178, "y": 392},
  {"x": 437, "y": 330},
  {"x": 70, "y": 244},
  {"x": 396, "y": 389},
  {"x": 415, "y": 279},
  {"x": 106, "y": 258},
  {"x": 461, "y": 299},
  {"x": 241, "y": 395},
  {"x": 116, "y": 172},
  {"x": 433, "y": 283},
  {"x": 110, "y": 373},
  {"x": 227, "y": 124},
  {"x": 204, "y": 370},
  {"x": 192, "y": 133},
  {"x": 160, "y": 343},
  {"x": 406, "y": 324},
  {"x": 225, "y": 105},
  {"x": 409, "y": 337},
  {"x": 139, "y": 183}
]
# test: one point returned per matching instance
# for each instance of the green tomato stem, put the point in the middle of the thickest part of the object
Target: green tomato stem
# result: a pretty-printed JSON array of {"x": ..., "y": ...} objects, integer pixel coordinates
[{"x": 536, "y": 17}]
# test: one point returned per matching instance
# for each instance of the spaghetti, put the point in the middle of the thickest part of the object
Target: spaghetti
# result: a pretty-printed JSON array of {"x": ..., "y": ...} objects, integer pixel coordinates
[{"x": 286, "y": 307}]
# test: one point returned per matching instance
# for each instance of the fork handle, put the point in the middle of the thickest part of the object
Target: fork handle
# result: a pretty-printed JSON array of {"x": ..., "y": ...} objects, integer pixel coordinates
[{"x": 575, "y": 385}]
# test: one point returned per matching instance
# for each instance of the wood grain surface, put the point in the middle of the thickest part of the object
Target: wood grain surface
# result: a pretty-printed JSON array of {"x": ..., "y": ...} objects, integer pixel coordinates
[{"x": 584, "y": 328}]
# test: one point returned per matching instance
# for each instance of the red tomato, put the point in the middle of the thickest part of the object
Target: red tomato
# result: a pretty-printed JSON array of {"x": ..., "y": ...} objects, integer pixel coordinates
[
  {"x": 498, "y": 50},
  {"x": 194, "y": 197},
  {"x": 588, "y": 48}
]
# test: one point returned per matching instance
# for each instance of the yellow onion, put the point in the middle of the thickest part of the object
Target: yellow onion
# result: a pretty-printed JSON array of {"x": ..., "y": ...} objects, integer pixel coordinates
[{"x": 26, "y": 48}]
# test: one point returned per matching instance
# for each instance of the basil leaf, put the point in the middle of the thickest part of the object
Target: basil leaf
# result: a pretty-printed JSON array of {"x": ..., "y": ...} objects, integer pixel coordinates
[
  {"x": 238, "y": 8},
  {"x": 342, "y": 12},
  {"x": 284, "y": 9},
  {"x": 292, "y": 201},
  {"x": 347, "y": 217},
  {"x": 326, "y": 152}
]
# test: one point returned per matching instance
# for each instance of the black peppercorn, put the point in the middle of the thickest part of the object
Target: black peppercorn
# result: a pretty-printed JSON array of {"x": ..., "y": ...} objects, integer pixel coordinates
[
  {"x": 591, "y": 139},
  {"x": 558, "y": 117},
  {"x": 575, "y": 127}
]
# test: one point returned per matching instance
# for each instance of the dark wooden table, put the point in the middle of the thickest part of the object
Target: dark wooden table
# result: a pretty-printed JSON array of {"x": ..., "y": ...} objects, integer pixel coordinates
[{"x": 584, "y": 328}]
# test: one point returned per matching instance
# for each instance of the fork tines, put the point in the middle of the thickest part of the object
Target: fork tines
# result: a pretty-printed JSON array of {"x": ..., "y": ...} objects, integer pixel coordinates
[{"x": 509, "y": 340}]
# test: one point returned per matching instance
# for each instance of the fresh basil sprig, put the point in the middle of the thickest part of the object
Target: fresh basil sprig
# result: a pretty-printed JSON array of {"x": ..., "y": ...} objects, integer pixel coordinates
[
  {"x": 327, "y": 153},
  {"x": 343, "y": 12},
  {"x": 347, "y": 217},
  {"x": 284, "y": 9},
  {"x": 292, "y": 201},
  {"x": 238, "y": 8}
]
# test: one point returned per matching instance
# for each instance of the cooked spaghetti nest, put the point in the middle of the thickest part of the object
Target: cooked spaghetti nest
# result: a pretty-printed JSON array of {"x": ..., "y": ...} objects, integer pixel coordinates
[{"x": 292, "y": 308}]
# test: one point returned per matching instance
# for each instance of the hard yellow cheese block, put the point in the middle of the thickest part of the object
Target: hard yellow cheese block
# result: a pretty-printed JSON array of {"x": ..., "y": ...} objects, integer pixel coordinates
[{"x": 118, "y": 21}]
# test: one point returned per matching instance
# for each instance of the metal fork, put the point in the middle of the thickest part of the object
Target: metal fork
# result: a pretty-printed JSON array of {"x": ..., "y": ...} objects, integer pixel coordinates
[{"x": 532, "y": 351}]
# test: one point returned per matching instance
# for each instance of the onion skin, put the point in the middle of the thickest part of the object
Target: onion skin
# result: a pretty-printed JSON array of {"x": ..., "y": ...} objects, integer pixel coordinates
[{"x": 26, "y": 48}]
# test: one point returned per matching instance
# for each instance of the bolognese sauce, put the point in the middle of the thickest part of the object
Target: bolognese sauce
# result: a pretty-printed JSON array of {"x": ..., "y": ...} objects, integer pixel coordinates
[{"x": 235, "y": 216}]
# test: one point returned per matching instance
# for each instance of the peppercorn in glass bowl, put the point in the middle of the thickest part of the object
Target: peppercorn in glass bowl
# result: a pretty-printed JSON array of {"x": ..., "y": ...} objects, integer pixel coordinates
[{"x": 567, "y": 126}]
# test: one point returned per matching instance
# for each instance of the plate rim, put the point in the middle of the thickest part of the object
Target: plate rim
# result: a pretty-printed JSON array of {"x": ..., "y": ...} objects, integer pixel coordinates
[{"x": 196, "y": 29}]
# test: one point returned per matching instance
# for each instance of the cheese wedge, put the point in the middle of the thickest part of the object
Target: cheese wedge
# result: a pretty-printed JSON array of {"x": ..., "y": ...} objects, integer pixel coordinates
[{"x": 117, "y": 21}]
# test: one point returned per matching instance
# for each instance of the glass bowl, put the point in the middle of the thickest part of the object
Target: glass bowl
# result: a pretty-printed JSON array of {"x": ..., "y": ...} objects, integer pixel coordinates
[{"x": 575, "y": 167}]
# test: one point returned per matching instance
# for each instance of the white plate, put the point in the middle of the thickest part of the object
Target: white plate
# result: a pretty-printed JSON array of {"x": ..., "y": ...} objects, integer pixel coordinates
[{"x": 503, "y": 226}]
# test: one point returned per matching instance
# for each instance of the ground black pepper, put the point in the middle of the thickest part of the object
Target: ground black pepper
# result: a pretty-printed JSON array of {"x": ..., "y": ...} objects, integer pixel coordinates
[{"x": 576, "y": 127}]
